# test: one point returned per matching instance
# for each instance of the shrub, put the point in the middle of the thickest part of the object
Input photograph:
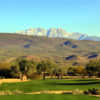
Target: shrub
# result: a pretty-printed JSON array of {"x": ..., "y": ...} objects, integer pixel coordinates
[
  {"x": 92, "y": 91},
  {"x": 77, "y": 91},
  {"x": 17, "y": 92},
  {"x": 34, "y": 76},
  {"x": 7, "y": 92}
]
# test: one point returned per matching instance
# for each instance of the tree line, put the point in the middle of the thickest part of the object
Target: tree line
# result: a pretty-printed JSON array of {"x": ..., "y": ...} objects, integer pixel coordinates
[{"x": 31, "y": 69}]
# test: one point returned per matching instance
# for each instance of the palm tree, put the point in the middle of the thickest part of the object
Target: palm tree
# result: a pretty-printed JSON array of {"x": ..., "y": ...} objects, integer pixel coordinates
[
  {"x": 21, "y": 67},
  {"x": 43, "y": 67}
]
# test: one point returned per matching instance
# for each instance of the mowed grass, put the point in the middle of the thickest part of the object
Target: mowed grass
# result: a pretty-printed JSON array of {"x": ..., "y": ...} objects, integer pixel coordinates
[
  {"x": 49, "y": 97},
  {"x": 39, "y": 85}
]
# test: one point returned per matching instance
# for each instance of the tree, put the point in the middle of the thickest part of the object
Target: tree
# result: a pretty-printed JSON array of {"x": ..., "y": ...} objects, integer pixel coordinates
[
  {"x": 57, "y": 71},
  {"x": 21, "y": 67},
  {"x": 43, "y": 67},
  {"x": 5, "y": 71},
  {"x": 71, "y": 71},
  {"x": 52, "y": 69},
  {"x": 76, "y": 70},
  {"x": 32, "y": 68},
  {"x": 80, "y": 70},
  {"x": 93, "y": 68}
]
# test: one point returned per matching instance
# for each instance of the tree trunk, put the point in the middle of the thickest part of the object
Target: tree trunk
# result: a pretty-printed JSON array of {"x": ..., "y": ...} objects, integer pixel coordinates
[
  {"x": 61, "y": 75},
  {"x": 43, "y": 74},
  {"x": 58, "y": 76},
  {"x": 20, "y": 76},
  {"x": 51, "y": 76},
  {"x": 23, "y": 77}
]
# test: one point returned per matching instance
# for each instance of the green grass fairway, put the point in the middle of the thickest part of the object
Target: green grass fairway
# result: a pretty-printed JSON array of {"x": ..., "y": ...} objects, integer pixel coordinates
[
  {"x": 38, "y": 85},
  {"x": 49, "y": 97}
]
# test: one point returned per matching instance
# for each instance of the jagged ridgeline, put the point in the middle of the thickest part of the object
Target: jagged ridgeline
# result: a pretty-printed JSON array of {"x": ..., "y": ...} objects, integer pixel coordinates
[
  {"x": 61, "y": 50},
  {"x": 57, "y": 33}
]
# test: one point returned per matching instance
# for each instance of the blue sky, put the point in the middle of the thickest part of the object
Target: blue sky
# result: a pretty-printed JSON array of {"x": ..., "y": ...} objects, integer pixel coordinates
[{"x": 73, "y": 15}]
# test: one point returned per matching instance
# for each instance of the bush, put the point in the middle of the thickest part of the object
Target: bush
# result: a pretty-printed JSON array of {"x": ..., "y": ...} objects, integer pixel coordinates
[
  {"x": 77, "y": 92},
  {"x": 17, "y": 92},
  {"x": 8, "y": 92},
  {"x": 34, "y": 76},
  {"x": 92, "y": 91}
]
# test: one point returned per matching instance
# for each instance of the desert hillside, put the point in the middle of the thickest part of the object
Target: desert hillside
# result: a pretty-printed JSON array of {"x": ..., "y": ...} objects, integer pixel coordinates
[{"x": 58, "y": 49}]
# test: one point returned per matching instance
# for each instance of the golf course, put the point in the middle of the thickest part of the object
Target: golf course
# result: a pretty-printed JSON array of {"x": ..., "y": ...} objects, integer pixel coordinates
[
  {"x": 48, "y": 97},
  {"x": 40, "y": 89},
  {"x": 51, "y": 84}
]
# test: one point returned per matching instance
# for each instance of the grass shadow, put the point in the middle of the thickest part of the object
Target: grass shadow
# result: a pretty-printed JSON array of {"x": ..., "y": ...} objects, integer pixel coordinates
[
  {"x": 86, "y": 83},
  {"x": 86, "y": 80}
]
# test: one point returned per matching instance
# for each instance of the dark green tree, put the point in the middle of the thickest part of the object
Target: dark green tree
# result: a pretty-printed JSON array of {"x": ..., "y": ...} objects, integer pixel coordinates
[
  {"x": 71, "y": 71},
  {"x": 44, "y": 67},
  {"x": 93, "y": 68},
  {"x": 22, "y": 68}
]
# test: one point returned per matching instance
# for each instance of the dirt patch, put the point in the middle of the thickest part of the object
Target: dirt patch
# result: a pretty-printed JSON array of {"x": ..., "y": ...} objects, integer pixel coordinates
[
  {"x": 10, "y": 80},
  {"x": 52, "y": 92},
  {"x": 97, "y": 95}
]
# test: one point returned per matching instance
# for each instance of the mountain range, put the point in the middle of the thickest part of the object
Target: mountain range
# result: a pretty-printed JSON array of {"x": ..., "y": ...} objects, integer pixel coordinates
[{"x": 57, "y": 33}]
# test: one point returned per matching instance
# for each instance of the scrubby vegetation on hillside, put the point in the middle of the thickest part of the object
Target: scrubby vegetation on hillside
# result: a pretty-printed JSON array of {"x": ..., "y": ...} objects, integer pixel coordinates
[
  {"x": 61, "y": 50},
  {"x": 31, "y": 69}
]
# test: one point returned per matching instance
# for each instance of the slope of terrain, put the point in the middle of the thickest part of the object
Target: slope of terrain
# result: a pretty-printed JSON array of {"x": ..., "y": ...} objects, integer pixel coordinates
[{"x": 60, "y": 50}]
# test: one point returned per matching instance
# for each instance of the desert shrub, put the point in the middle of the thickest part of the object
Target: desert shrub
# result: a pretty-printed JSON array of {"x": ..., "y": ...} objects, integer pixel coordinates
[
  {"x": 77, "y": 91},
  {"x": 92, "y": 91},
  {"x": 5, "y": 73},
  {"x": 86, "y": 92},
  {"x": 7, "y": 92},
  {"x": 71, "y": 71},
  {"x": 34, "y": 76},
  {"x": 17, "y": 92}
]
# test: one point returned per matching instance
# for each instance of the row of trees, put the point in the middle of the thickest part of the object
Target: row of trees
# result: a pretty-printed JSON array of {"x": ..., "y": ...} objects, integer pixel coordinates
[
  {"x": 92, "y": 68},
  {"x": 29, "y": 68},
  {"x": 23, "y": 67}
]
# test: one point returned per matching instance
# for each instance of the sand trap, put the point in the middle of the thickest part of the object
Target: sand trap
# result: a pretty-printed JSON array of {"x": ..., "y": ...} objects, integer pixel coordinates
[
  {"x": 10, "y": 80},
  {"x": 51, "y": 92}
]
